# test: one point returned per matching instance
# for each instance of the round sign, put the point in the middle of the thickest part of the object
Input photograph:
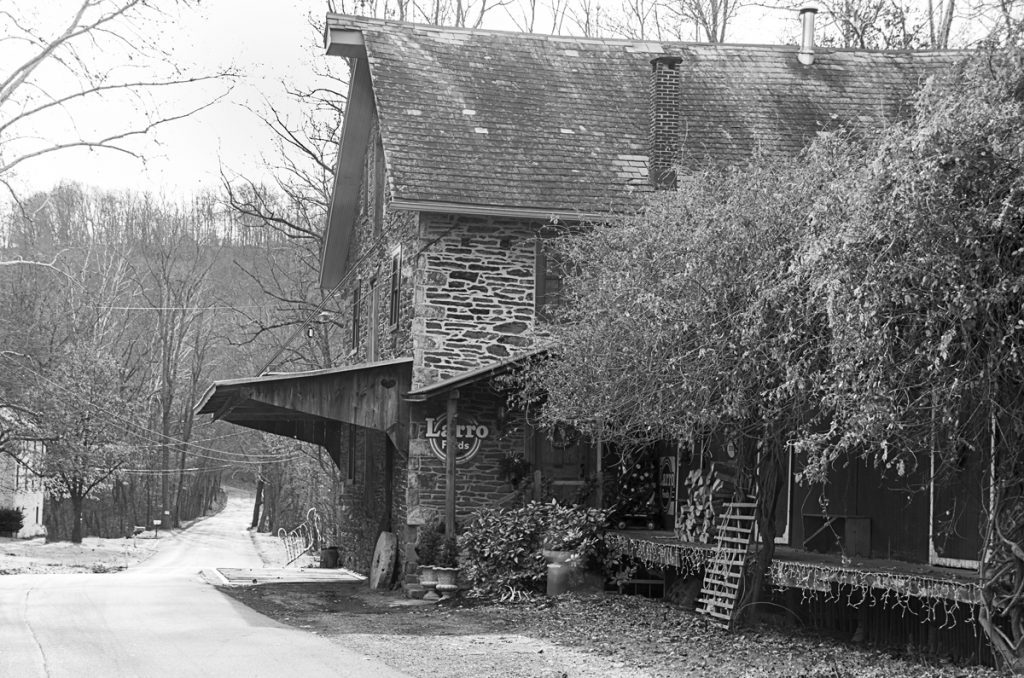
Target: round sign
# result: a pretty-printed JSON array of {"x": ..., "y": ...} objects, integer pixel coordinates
[{"x": 467, "y": 437}]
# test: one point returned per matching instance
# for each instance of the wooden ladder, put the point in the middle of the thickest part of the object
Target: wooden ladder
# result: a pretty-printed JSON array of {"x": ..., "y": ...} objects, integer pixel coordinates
[{"x": 723, "y": 579}]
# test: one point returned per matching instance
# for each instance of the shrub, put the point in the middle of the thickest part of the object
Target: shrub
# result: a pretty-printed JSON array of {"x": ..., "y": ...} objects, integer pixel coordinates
[
  {"x": 11, "y": 520},
  {"x": 448, "y": 553},
  {"x": 429, "y": 542},
  {"x": 503, "y": 546}
]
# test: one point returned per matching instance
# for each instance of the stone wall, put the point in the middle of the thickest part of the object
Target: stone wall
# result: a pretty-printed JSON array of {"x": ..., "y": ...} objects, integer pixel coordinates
[
  {"x": 466, "y": 300},
  {"x": 474, "y": 293},
  {"x": 362, "y": 512},
  {"x": 377, "y": 240},
  {"x": 478, "y": 480}
]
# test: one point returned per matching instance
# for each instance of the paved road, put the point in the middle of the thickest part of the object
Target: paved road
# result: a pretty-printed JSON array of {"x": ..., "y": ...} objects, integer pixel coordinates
[{"x": 161, "y": 619}]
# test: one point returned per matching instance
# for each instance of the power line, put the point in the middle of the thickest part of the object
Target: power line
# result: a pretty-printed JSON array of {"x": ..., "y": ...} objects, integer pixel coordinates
[
  {"x": 187, "y": 308},
  {"x": 239, "y": 457}
]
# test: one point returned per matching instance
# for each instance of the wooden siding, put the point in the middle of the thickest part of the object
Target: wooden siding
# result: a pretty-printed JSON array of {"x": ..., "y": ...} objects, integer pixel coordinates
[{"x": 896, "y": 506}]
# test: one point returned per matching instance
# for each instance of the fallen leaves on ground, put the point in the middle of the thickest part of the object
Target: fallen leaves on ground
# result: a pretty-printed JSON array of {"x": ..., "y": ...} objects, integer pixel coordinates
[{"x": 573, "y": 635}]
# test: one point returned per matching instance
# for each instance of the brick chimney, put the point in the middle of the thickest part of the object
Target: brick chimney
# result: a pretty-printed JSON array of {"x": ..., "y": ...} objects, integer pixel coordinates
[{"x": 665, "y": 139}]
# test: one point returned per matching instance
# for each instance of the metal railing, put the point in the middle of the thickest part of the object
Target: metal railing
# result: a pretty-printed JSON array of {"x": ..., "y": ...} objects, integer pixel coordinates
[{"x": 302, "y": 539}]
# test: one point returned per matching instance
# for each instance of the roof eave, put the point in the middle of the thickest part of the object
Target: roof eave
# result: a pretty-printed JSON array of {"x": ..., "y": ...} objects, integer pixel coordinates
[
  {"x": 535, "y": 213},
  {"x": 345, "y": 42}
]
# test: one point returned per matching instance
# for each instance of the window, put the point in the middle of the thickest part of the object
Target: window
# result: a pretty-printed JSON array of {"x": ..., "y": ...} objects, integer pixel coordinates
[
  {"x": 394, "y": 297},
  {"x": 355, "y": 317},
  {"x": 549, "y": 271},
  {"x": 351, "y": 470},
  {"x": 372, "y": 321}
]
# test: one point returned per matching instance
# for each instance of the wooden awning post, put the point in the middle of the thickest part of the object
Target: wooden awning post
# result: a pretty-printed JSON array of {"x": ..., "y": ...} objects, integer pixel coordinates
[{"x": 449, "y": 463}]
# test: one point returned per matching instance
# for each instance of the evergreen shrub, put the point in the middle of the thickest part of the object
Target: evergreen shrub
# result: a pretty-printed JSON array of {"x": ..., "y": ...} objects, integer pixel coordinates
[
  {"x": 11, "y": 520},
  {"x": 503, "y": 547}
]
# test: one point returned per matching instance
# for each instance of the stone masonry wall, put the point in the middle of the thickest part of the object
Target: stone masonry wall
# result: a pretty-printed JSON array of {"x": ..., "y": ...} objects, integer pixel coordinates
[
  {"x": 474, "y": 293},
  {"x": 371, "y": 258},
  {"x": 361, "y": 509},
  {"x": 478, "y": 480}
]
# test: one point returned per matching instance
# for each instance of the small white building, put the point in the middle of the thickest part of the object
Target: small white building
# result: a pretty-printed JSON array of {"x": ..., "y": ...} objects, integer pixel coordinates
[{"x": 20, "y": 487}]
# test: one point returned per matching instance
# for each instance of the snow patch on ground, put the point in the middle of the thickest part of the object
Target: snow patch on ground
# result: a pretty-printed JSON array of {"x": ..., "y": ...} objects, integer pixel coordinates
[{"x": 35, "y": 556}]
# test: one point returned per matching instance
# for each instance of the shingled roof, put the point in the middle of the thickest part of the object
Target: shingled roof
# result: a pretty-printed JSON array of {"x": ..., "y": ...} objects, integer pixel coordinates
[{"x": 507, "y": 120}]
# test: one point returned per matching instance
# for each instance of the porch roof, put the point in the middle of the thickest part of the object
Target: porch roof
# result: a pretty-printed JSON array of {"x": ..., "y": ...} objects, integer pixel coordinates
[
  {"x": 311, "y": 406},
  {"x": 472, "y": 376}
]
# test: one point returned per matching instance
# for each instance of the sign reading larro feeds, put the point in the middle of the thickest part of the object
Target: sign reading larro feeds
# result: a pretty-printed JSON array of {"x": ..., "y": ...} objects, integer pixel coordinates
[{"x": 468, "y": 434}]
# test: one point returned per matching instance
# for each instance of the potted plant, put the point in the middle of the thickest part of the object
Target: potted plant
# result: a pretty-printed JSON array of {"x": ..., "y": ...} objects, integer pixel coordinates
[
  {"x": 427, "y": 547},
  {"x": 447, "y": 566},
  {"x": 570, "y": 540},
  {"x": 563, "y": 543}
]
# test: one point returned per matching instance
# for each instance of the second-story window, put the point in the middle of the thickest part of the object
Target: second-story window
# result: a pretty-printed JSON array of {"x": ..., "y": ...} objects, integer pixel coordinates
[
  {"x": 355, "y": 317},
  {"x": 351, "y": 470},
  {"x": 394, "y": 295},
  {"x": 372, "y": 320},
  {"x": 549, "y": 276}
]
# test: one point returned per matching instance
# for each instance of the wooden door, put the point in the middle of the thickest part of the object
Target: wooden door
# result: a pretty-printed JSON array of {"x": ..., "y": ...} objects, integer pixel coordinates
[{"x": 568, "y": 465}]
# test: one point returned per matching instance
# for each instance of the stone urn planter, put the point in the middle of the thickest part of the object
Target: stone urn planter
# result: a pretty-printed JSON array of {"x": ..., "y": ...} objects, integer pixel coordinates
[
  {"x": 428, "y": 580},
  {"x": 447, "y": 581}
]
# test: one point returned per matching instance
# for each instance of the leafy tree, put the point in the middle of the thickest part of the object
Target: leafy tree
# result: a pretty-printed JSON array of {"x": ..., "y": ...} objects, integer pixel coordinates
[
  {"x": 923, "y": 284},
  {"x": 853, "y": 304},
  {"x": 689, "y": 318}
]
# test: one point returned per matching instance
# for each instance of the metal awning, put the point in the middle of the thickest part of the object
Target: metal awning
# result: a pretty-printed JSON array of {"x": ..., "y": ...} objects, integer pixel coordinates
[{"x": 312, "y": 406}]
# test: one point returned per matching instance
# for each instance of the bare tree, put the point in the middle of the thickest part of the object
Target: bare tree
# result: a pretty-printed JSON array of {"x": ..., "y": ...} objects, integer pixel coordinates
[
  {"x": 940, "y": 21},
  {"x": 461, "y": 13},
  {"x": 583, "y": 17},
  {"x": 879, "y": 24},
  {"x": 92, "y": 78},
  {"x": 285, "y": 220},
  {"x": 709, "y": 18}
]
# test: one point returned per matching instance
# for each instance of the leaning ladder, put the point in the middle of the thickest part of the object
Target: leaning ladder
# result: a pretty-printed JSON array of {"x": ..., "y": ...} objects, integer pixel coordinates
[{"x": 723, "y": 579}]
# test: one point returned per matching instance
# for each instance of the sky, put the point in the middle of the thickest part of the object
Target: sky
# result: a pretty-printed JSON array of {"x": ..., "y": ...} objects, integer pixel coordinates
[{"x": 271, "y": 44}]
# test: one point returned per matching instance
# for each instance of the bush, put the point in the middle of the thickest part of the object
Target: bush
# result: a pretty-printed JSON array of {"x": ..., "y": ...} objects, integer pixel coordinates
[
  {"x": 11, "y": 520},
  {"x": 429, "y": 542},
  {"x": 503, "y": 546},
  {"x": 448, "y": 553}
]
